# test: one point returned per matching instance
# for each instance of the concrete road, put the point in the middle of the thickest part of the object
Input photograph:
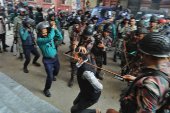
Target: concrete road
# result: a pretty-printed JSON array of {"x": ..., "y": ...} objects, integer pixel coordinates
[{"x": 62, "y": 96}]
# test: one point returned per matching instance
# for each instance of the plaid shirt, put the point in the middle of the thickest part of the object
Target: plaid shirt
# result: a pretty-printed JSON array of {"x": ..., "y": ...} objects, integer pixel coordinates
[{"x": 149, "y": 90}]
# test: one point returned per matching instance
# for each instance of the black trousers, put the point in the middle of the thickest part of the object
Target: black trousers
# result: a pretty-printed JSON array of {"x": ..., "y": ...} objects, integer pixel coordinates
[
  {"x": 28, "y": 49},
  {"x": 52, "y": 67},
  {"x": 2, "y": 37},
  {"x": 81, "y": 105}
]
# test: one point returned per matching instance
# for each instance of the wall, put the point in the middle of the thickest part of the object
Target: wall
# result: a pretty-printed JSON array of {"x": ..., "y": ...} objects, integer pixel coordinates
[{"x": 92, "y": 2}]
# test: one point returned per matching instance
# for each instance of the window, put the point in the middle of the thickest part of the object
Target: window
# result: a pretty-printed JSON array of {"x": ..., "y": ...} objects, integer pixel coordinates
[
  {"x": 63, "y": 1},
  {"x": 47, "y": 1}
]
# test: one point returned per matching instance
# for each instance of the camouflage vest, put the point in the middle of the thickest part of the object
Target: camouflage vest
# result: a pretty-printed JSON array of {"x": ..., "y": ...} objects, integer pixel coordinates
[{"x": 18, "y": 25}]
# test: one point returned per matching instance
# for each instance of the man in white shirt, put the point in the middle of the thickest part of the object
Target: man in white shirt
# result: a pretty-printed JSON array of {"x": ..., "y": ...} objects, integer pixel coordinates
[{"x": 2, "y": 34}]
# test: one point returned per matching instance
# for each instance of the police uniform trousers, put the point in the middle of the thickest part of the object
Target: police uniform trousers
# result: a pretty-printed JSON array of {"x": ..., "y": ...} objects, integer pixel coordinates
[
  {"x": 27, "y": 50},
  {"x": 20, "y": 44},
  {"x": 52, "y": 67}
]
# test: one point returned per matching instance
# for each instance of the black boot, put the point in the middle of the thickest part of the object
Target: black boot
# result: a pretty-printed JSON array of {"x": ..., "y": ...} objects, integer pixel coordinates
[
  {"x": 21, "y": 56},
  {"x": 71, "y": 82},
  {"x": 7, "y": 45},
  {"x": 47, "y": 93},
  {"x": 114, "y": 58},
  {"x": 37, "y": 64},
  {"x": 54, "y": 79},
  {"x": 63, "y": 43},
  {"x": 98, "y": 76},
  {"x": 25, "y": 70}
]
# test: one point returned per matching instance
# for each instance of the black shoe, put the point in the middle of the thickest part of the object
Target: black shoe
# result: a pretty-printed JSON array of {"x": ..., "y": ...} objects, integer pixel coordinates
[
  {"x": 7, "y": 45},
  {"x": 25, "y": 70},
  {"x": 104, "y": 63},
  {"x": 71, "y": 82},
  {"x": 98, "y": 76},
  {"x": 54, "y": 79},
  {"x": 21, "y": 56},
  {"x": 37, "y": 64},
  {"x": 63, "y": 43},
  {"x": 47, "y": 93},
  {"x": 114, "y": 58}
]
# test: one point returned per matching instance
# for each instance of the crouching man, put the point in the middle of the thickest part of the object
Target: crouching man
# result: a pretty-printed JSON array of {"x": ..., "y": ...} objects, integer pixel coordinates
[
  {"x": 90, "y": 87},
  {"x": 45, "y": 41}
]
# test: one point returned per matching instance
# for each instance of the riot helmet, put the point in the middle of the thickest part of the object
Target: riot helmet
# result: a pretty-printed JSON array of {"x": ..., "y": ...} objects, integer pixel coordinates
[
  {"x": 88, "y": 31},
  {"x": 26, "y": 21},
  {"x": 161, "y": 21},
  {"x": 41, "y": 26},
  {"x": 80, "y": 10},
  {"x": 88, "y": 13},
  {"x": 30, "y": 7},
  {"x": 108, "y": 27},
  {"x": 39, "y": 8},
  {"x": 21, "y": 10},
  {"x": 154, "y": 19},
  {"x": 77, "y": 19},
  {"x": 140, "y": 23},
  {"x": 83, "y": 18},
  {"x": 155, "y": 44}
]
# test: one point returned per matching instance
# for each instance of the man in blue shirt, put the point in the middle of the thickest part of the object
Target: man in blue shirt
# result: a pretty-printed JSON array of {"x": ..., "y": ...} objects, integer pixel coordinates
[
  {"x": 45, "y": 41},
  {"x": 28, "y": 41}
]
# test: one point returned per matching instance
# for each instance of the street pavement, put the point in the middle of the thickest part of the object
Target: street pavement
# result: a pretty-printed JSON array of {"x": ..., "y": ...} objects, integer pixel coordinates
[{"x": 62, "y": 95}]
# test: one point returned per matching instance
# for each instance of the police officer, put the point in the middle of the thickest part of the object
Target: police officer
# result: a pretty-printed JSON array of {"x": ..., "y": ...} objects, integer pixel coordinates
[
  {"x": 46, "y": 44},
  {"x": 154, "y": 26},
  {"x": 39, "y": 15},
  {"x": 154, "y": 48},
  {"x": 79, "y": 12},
  {"x": 119, "y": 40},
  {"x": 31, "y": 14},
  {"x": 93, "y": 23},
  {"x": 53, "y": 18},
  {"x": 28, "y": 40},
  {"x": 9, "y": 7},
  {"x": 17, "y": 26},
  {"x": 48, "y": 11},
  {"x": 13, "y": 15},
  {"x": 62, "y": 20},
  {"x": 88, "y": 14},
  {"x": 87, "y": 41}
]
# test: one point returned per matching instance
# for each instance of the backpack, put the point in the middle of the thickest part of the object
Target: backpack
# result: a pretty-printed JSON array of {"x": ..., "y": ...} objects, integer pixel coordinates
[{"x": 128, "y": 106}]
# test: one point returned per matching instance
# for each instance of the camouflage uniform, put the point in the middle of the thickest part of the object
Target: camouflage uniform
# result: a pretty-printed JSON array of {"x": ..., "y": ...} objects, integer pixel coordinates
[
  {"x": 157, "y": 28},
  {"x": 77, "y": 31},
  {"x": 148, "y": 91},
  {"x": 17, "y": 26}
]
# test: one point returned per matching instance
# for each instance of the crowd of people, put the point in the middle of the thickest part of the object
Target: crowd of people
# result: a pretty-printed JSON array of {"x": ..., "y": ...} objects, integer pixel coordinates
[{"x": 143, "y": 48}]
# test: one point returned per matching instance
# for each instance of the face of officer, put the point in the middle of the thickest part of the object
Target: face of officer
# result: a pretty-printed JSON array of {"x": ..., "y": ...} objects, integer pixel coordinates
[
  {"x": 62, "y": 14},
  {"x": 94, "y": 20},
  {"x": 22, "y": 13},
  {"x": 153, "y": 24},
  {"x": 28, "y": 25},
  {"x": 87, "y": 15},
  {"x": 140, "y": 36},
  {"x": 53, "y": 18},
  {"x": 106, "y": 33},
  {"x": 132, "y": 22},
  {"x": 83, "y": 22},
  {"x": 44, "y": 33},
  {"x": 80, "y": 12},
  {"x": 126, "y": 21}
]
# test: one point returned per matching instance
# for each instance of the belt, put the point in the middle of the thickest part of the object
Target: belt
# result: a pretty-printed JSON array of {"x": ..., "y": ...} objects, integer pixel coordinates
[{"x": 50, "y": 57}]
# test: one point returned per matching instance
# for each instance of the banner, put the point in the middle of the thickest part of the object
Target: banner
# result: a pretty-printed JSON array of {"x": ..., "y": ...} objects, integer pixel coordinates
[{"x": 74, "y": 2}]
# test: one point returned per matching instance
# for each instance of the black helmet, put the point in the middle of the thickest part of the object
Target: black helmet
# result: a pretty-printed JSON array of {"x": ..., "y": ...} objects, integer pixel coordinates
[
  {"x": 41, "y": 26},
  {"x": 79, "y": 10},
  {"x": 142, "y": 30},
  {"x": 108, "y": 27},
  {"x": 94, "y": 17},
  {"x": 61, "y": 12},
  {"x": 140, "y": 23},
  {"x": 154, "y": 19},
  {"x": 9, "y": 4},
  {"x": 21, "y": 10},
  {"x": 83, "y": 18},
  {"x": 25, "y": 21},
  {"x": 155, "y": 44},
  {"x": 51, "y": 13},
  {"x": 88, "y": 31},
  {"x": 89, "y": 13},
  {"x": 14, "y": 9},
  {"x": 30, "y": 7},
  {"x": 39, "y": 8},
  {"x": 77, "y": 19}
]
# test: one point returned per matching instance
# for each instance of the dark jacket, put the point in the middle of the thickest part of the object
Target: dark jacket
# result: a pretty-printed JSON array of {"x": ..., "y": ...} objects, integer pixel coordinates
[{"x": 86, "y": 89}]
